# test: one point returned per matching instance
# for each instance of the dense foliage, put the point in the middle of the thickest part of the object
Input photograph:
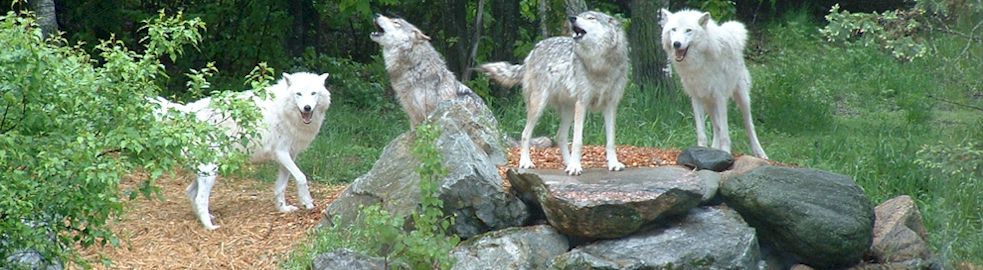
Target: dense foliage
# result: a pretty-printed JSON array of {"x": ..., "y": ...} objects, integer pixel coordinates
[{"x": 72, "y": 128}]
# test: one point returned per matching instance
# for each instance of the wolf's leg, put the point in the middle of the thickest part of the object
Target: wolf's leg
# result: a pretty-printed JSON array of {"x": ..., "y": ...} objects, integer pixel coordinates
[
  {"x": 562, "y": 135},
  {"x": 610, "y": 114},
  {"x": 203, "y": 189},
  {"x": 280, "y": 188},
  {"x": 303, "y": 193},
  {"x": 718, "y": 117},
  {"x": 579, "y": 113},
  {"x": 535, "y": 104},
  {"x": 699, "y": 115},
  {"x": 743, "y": 100}
]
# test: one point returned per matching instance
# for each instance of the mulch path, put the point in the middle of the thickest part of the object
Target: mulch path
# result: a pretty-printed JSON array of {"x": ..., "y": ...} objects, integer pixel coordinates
[{"x": 165, "y": 234}]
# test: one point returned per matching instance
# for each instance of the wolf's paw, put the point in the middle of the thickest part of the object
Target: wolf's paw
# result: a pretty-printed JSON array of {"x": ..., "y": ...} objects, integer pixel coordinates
[
  {"x": 615, "y": 166},
  {"x": 526, "y": 164},
  {"x": 210, "y": 227},
  {"x": 309, "y": 206},
  {"x": 575, "y": 169},
  {"x": 286, "y": 208}
]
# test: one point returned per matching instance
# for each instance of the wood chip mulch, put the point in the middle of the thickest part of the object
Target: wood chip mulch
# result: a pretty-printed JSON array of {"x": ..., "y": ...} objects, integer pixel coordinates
[{"x": 253, "y": 235}]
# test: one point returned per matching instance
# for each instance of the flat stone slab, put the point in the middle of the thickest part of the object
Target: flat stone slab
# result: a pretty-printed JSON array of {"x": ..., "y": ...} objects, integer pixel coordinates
[
  {"x": 706, "y": 238},
  {"x": 604, "y": 204}
]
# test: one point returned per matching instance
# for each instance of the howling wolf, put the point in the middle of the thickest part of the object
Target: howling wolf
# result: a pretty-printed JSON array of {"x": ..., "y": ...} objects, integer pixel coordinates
[
  {"x": 417, "y": 72},
  {"x": 709, "y": 59},
  {"x": 292, "y": 117},
  {"x": 588, "y": 70}
]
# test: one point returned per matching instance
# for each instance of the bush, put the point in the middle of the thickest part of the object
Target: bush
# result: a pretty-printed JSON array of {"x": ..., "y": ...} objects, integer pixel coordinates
[
  {"x": 70, "y": 129},
  {"x": 377, "y": 232}
]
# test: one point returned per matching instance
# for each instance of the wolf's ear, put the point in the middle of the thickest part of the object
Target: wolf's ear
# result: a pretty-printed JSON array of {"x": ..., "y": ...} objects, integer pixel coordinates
[
  {"x": 420, "y": 35},
  {"x": 614, "y": 21},
  {"x": 664, "y": 18},
  {"x": 286, "y": 78},
  {"x": 704, "y": 19},
  {"x": 323, "y": 77}
]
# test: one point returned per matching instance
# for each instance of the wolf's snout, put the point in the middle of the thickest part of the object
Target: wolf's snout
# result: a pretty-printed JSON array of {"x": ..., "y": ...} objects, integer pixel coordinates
[
  {"x": 573, "y": 19},
  {"x": 307, "y": 108},
  {"x": 677, "y": 44}
]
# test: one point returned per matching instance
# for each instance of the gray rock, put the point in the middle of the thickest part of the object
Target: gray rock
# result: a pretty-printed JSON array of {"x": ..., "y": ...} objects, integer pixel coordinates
[
  {"x": 473, "y": 191},
  {"x": 513, "y": 249},
  {"x": 822, "y": 219},
  {"x": 706, "y": 238},
  {"x": 899, "y": 234},
  {"x": 603, "y": 204},
  {"x": 711, "y": 184},
  {"x": 350, "y": 260},
  {"x": 30, "y": 259},
  {"x": 705, "y": 158}
]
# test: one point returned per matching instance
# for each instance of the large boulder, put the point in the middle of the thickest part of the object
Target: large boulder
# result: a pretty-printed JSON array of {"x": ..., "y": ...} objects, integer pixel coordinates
[
  {"x": 899, "y": 234},
  {"x": 350, "y": 260},
  {"x": 511, "y": 249},
  {"x": 473, "y": 191},
  {"x": 706, "y": 238},
  {"x": 705, "y": 158},
  {"x": 603, "y": 204},
  {"x": 822, "y": 219}
]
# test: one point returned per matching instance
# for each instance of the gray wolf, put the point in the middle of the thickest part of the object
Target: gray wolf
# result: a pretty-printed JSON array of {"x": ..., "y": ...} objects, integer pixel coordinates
[
  {"x": 585, "y": 71},
  {"x": 709, "y": 59},
  {"x": 418, "y": 74},
  {"x": 292, "y": 114}
]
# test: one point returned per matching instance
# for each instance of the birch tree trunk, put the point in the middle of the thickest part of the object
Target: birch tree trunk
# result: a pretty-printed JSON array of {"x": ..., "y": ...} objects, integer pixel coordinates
[{"x": 45, "y": 11}]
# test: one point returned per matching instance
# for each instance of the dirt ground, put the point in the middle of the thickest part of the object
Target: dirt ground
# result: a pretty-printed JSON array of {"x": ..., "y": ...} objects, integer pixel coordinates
[{"x": 165, "y": 234}]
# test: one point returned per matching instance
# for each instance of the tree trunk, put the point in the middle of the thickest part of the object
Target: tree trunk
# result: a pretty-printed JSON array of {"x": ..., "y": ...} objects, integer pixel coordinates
[
  {"x": 505, "y": 16},
  {"x": 455, "y": 23},
  {"x": 544, "y": 11},
  {"x": 575, "y": 7},
  {"x": 45, "y": 12},
  {"x": 648, "y": 60},
  {"x": 473, "y": 56}
]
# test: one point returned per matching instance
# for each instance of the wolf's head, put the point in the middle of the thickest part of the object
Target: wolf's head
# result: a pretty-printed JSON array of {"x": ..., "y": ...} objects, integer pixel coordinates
[
  {"x": 396, "y": 32},
  {"x": 593, "y": 26},
  {"x": 682, "y": 30},
  {"x": 308, "y": 93}
]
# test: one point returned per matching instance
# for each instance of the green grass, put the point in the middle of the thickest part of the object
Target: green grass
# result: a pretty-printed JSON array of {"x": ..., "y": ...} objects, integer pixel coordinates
[{"x": 850, "y": 110}]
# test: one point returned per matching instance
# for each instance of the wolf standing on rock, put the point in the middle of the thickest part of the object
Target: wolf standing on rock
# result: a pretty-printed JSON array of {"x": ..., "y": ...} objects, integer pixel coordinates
[
  {"x": 709, "y": 59},
  {"x": 417, "y": 72},
  {"x": 586, "y": 71}
]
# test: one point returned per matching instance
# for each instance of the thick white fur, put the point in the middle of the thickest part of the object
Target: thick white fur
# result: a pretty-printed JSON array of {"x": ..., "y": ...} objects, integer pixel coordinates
[
  {"x": 709, "y": 59},
  {"x": 285, "y": 134},
  {"x": 572, "y": 74}
]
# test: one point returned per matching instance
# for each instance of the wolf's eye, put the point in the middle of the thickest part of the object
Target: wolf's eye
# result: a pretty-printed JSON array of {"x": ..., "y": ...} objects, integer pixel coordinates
[
  {"x": 299, "y": 94},
  {"x": 313, "y": 93},
  {"x": 591, "y": 18},
  {"x": 673, "y": 29},
  {"x": 397, "y": 24},
  {"x": 689, "y": 30}
]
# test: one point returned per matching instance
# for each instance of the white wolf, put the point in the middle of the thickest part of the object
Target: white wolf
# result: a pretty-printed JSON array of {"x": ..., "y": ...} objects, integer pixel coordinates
[
  {"x": 709, "y": 59},
  {"x": 417, "y": 72},
  {"x": 292, "y": 117},
  {"x": 586, "y": 71}
]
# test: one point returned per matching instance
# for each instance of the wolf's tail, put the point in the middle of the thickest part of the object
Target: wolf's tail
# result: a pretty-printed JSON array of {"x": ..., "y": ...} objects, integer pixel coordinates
[
  {"x": 503, "y": 73},
  {"x": 737, "y": 31}
]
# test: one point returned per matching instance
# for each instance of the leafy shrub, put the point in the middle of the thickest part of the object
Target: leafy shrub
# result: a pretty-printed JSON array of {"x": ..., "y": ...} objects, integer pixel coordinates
[
  {"x": 896, "y": 31},
  {"x": 70, "y": 129},
  {"x": 379, "y": 233}
]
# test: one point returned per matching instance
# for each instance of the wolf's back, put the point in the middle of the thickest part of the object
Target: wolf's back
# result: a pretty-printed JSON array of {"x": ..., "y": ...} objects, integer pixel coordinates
[{"x": 503, "y": 73}]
